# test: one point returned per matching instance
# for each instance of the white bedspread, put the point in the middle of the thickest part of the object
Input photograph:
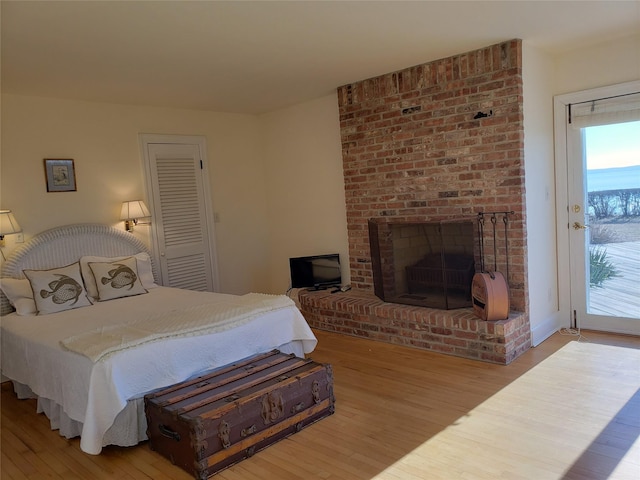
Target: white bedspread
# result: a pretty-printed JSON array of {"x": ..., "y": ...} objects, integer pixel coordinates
[
  {"x": 225, "y": 313},
  {"x": 94, "y": 393}
]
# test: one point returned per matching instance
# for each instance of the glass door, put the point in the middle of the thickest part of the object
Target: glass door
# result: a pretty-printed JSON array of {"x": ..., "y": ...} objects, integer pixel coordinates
[{"x": 604, "y": 225}]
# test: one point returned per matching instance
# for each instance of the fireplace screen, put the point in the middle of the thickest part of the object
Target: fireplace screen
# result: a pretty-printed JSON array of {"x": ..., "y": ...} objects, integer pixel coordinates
[{"x": 427, "y": 264}]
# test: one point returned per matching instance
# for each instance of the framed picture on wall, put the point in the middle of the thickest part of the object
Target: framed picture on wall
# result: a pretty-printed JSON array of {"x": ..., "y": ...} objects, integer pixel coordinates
[{"x": 60, "y": 174}]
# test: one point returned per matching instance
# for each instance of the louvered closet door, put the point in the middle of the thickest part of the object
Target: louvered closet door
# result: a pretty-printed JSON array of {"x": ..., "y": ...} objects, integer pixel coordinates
[{"x": 180, "y": 216}]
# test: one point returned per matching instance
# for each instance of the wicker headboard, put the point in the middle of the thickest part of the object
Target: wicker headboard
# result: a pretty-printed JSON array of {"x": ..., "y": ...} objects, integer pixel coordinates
[{"x": 64, "y": 245}]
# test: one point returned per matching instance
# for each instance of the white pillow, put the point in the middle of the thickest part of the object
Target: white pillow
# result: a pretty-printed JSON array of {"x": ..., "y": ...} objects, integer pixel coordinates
[
  {"x": 58, "y": 289},
  {"x": 145, "y": 271},
  {"x": 117, "y": 279},
  {"x": 20, "y": 295}
]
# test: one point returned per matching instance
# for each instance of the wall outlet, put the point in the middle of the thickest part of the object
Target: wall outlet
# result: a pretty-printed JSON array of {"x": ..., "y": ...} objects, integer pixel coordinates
[{"x": 19, "y": 238}]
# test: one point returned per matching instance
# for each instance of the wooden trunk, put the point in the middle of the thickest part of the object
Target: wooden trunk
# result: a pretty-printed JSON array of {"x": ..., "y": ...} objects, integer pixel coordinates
[{"x": 213, "y": 421}]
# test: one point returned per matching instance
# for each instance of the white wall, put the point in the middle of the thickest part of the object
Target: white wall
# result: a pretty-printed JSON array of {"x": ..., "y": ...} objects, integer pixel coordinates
[
  {"x": 613, "y": 62},
  {"x": 103, "y": 141},
  {"x": 542, "y": 262},
  {"x": 305, "y": 186}
]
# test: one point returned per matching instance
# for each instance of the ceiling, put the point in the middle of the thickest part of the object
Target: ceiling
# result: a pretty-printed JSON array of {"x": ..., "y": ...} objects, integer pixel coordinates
[{"x": 259, "y": 56}]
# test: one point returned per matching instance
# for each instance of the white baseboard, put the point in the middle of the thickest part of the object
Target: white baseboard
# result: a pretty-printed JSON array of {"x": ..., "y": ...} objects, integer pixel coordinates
[{"x": 546, "y": 328}]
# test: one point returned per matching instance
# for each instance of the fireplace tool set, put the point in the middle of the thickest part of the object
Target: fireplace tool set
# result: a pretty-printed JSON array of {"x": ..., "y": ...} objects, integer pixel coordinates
[{"x": 490, "y": 288}]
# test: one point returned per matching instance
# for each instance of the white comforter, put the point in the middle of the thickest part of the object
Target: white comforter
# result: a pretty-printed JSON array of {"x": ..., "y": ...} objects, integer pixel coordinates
[{"x": 94, "y": 393}]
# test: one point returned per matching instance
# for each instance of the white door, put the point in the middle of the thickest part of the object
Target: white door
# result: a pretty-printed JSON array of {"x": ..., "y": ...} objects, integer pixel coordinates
[
  {"x": 603, "y": 193},
  {"x": 182, "y": 227}
]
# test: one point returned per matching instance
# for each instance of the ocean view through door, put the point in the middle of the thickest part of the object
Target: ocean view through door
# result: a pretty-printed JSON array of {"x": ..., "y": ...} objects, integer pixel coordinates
[{"x": 604, "y": 213}]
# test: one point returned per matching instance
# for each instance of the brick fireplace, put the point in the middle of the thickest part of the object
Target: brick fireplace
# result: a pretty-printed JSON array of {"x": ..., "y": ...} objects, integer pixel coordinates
[{"x": 432, "y": 143}]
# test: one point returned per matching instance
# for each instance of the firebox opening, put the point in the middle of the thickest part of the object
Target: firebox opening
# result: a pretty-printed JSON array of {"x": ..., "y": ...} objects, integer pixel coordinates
[{"x": 427, "y": 264}]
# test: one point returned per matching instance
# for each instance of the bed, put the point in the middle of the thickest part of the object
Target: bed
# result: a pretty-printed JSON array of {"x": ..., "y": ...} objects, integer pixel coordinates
[{"x": 90, "y": 365}]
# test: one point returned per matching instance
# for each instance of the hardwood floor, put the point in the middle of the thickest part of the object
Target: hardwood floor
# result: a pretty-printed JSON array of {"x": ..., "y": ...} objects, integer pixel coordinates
[{"x": 564, "y": 409}]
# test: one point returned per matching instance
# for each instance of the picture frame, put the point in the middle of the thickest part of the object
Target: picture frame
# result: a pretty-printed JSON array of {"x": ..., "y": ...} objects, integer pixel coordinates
[{"x": 60, "y": 174}]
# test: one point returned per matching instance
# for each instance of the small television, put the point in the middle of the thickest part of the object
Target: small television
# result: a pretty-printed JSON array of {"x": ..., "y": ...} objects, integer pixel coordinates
[{"x": 317, "y": 271}]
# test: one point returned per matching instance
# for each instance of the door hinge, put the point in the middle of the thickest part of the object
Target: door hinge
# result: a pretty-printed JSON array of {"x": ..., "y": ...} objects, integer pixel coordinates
[
  {"x": 201, "y": 165},
  {"x": 575, "y": 320}
]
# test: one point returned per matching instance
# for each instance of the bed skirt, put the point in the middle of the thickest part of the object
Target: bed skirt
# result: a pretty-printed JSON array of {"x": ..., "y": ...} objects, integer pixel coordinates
[
  {"x": 128, "y": 429},
  {"x": 130, "y": 425}
]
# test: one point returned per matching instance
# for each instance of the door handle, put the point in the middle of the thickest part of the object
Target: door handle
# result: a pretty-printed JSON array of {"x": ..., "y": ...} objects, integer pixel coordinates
[{"x": 579, "y": 226}]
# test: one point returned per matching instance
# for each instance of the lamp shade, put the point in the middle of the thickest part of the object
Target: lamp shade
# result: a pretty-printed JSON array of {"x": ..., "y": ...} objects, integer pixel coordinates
[
  {"x": 8, "y": 223},
  {"x": 134, "y": 209}
]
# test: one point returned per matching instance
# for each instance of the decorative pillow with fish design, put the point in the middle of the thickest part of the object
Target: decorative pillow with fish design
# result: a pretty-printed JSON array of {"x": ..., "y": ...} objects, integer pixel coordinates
[
  {"x": 117, "y": 279},
  {"x": 143, "y": 262},
  {"x": 58, "y": 289}
]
